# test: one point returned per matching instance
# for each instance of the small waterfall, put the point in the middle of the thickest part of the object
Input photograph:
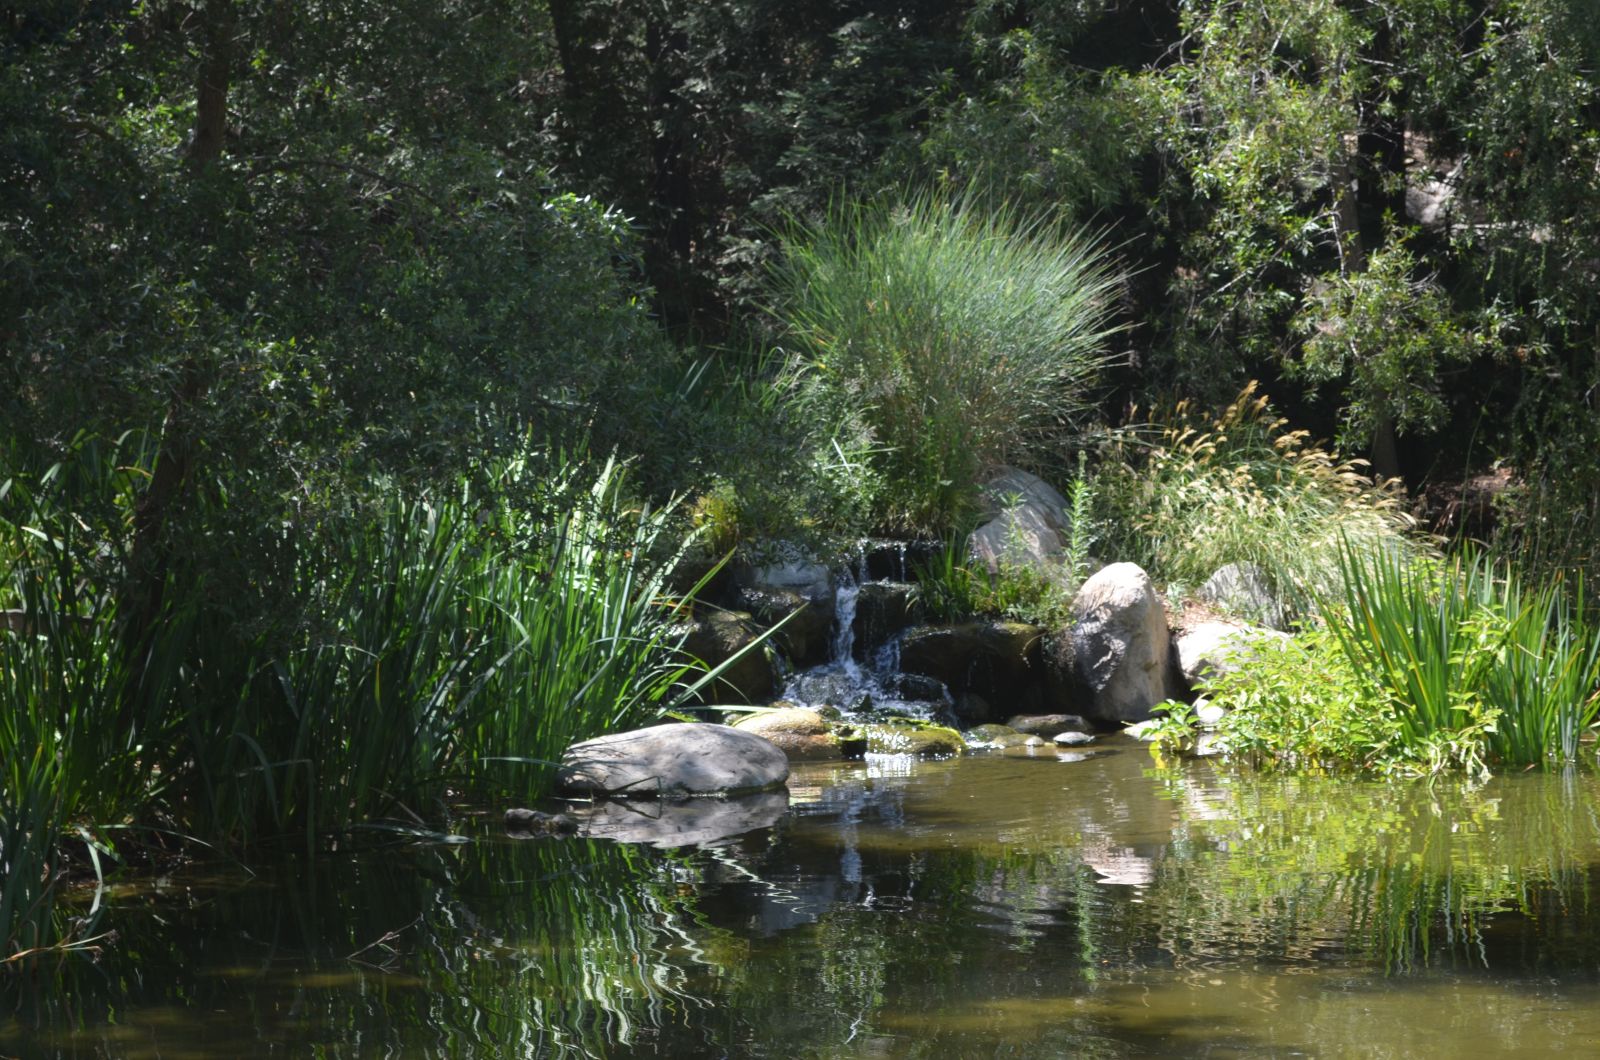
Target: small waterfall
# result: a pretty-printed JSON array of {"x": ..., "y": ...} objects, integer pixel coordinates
[{"x": 844, "y": 611}]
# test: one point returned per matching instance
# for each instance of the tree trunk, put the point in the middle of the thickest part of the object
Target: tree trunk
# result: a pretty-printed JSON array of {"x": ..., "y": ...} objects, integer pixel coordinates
[{"x": 211, "y": 84}]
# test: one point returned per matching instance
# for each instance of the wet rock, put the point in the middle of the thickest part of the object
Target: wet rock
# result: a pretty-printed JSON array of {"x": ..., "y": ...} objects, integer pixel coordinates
[
  {"x": 1027, "y": 523},
  {"x": 673, "y": 760},
  {"x": 690, "y": 822},
  {"x": 918, "y": 687},
  {"x": 1120, "y": 645},
  {"x": 888, "y": 559},
  {"x": 1073, "y": 738},
  {"x": 718, "y": 636},
  {"x": 805, "y": 638},
  {"x": 1143, "y": 731},
  {"x": 882, "y": 610},
  {"x": 971, "y": 708},
  {"x": 802, "y": 735},
  {"x": 1209, "y": 714},
  {"x": 1243, "y": 590},
  {"x": 1048, "y": 725},
  {"x": 983, "y": 736},
  {"x": 524, "y": 822},
  {"x": 788, "y": 568},
  {"x": 1215, "y": 648},
  {"x": 997, "y": 660},
  {"x": 924, "y": 741}
]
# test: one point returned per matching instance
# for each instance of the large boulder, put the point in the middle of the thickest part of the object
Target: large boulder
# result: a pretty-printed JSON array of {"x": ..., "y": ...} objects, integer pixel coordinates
[
  {"x": 671, "y": 761},
  {"x": 800, "y": 733},
  {"x": 1215, "y": 648},
  {"x": 1000, "y": 661},
  {"x": 1026, "y": 524},
  {"x": 1121, "y": 650},
  {"x": 1243, "y": 590},
  {"x": 718, "y": 636}
]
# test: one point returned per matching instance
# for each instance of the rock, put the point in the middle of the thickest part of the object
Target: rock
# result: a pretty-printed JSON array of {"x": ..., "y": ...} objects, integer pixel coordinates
[
  {"x": 806, "y": 638},
  {"x": 1243, "y": 590},
  {"x": 890, "y": 559},
  {"x": 997, "y": 660},
  {"x": 972, "y": 709},
  {"x": 1066, "y": 691},
  {"x": 790, "y": 569},
  {"x": 1120, "y": 645},
  {"x": 1048, "y": 725},
  {"x": 1215, "y": 648},
  {"x": 801, "y": 734},
  {"x": 1020, "y": 739},
  {"x": 924, "y": 741},
  {"x": 1209, "y": 714},
  {"x": 1073, "y": 738},
  {"x": 918, "y": 687},
  {"x": 983, "y": 736},
  {"x": 1027, "y": 523},
  {"x": 524, "y": 822},
  {"x": 882, "y": 610},
  {"x": 673, "y": 760},
  {"x": 689, "y": 822},
  {"x": 1143, "y": 730},
  {"x": 718, "y": 636}
]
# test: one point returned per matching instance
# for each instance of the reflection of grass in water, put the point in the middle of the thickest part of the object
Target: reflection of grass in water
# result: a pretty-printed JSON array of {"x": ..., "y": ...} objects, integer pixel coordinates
[
  {"x": 1398, "y": 871},
  {"x": 539, "y": 948}
]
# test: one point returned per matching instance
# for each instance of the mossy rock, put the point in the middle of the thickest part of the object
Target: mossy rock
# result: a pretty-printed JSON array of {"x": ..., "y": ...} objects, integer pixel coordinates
[
  {"x": 802, "y": 734},
  {"x": 924, "y": 741}
]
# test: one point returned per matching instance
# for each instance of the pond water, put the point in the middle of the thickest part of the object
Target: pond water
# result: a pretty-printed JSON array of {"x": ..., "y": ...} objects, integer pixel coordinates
[{"x": 986, "y": 906}]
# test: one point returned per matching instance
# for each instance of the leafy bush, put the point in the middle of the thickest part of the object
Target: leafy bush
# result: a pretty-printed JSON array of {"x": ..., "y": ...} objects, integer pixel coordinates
[
  {"x": 1193, "y": 494},
  {"x": 954, "y": 338}
]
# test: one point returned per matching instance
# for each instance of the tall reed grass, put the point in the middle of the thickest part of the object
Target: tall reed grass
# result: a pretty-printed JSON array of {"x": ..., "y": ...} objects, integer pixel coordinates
[
  {"x": 1468, "y": 652},
  {"x": 449, "y": 645},
  {"x": 1192, "y": 493},
  {"x": 959, "y": 337}
]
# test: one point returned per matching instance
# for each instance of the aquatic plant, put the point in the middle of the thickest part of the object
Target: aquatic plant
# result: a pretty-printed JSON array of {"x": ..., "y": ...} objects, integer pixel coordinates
[
  {"x": 959, "y": 337},
  {"x": 1467, "y": 652}
]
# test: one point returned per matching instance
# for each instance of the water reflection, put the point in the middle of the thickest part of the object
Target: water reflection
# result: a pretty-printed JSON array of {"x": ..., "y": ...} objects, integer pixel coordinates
[{"x": 1017, "y": 906}]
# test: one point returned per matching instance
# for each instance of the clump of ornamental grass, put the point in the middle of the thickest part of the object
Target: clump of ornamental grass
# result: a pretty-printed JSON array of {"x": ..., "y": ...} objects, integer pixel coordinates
[
  {"x": 1192, "y": 493},
  {"x": 950, "y": 336}
]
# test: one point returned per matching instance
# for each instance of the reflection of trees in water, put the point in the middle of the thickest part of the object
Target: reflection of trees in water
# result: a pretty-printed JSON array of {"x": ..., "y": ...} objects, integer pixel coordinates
[{"x": 832, "y": 931}]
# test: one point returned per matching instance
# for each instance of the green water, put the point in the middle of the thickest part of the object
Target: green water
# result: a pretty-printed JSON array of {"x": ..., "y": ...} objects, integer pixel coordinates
[{"x": 993, "y": 907}]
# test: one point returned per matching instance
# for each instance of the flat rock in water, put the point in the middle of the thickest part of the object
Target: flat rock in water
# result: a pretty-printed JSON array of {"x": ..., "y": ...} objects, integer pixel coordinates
[
  {"x": 1048, "y": 725},
  {"x": 1073, "y": 739},
  {"x": 673, "y": 760},
  {"x": 689, "y": 822}
]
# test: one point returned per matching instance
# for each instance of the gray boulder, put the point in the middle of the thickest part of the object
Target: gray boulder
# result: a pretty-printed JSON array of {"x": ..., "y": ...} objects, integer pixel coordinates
[
  {"x": 1243, "y": 590},
  {"x": 671, "y": 761},
  {"x": 788, "y": 569},
  {"x": 1215, "y": 648},
  {"x": 1121, "y": 650},
  {"x": 1026, "y": 523}
]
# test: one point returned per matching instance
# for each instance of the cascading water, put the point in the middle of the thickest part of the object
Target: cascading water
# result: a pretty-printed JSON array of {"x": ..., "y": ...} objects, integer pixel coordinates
[{"x": 863, "y": 692}]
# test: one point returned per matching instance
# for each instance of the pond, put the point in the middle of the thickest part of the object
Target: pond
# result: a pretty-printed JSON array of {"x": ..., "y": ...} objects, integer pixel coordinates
[{"x": 985, "y": 906}]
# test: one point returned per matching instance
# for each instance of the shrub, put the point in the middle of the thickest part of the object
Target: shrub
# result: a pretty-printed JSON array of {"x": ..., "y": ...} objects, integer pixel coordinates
[
  {"x": 1192, "y": 494},
  {"x": 954, "y": 337}
]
